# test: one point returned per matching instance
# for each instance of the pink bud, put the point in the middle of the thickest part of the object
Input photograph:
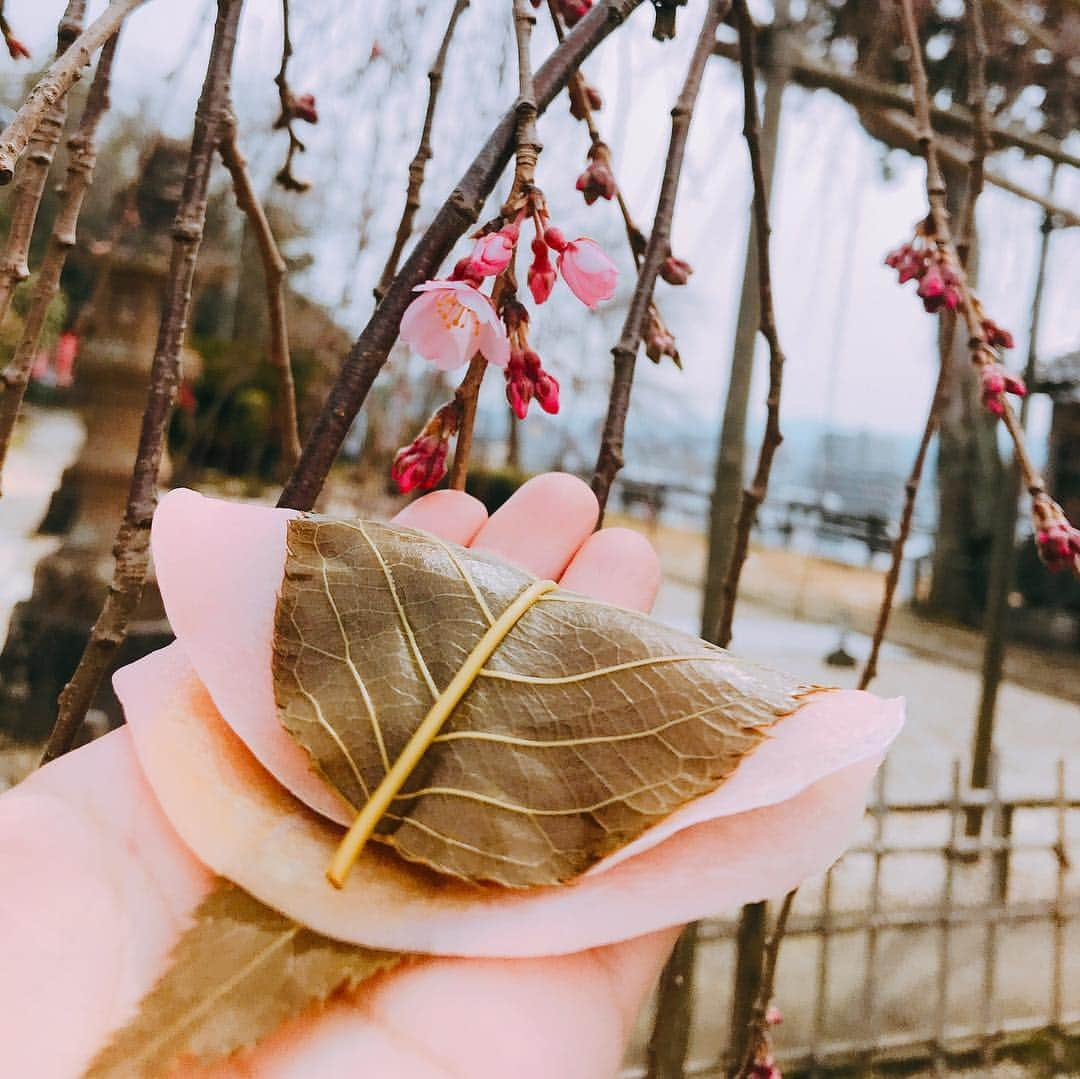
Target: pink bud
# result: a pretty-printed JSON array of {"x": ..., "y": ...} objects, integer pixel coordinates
[
  {"x": 573, "y": 10},
  {"x": 587, "y": 269},
  {"x": 492, "y": 253},
  {"x": 422, "y": 463},
  {"x": 546, "y": 388},
  {"x": 16, "y": 49},
  {"x": 675, "y": 271},
  {"x": 554, "y": 238},
  {"x": 596, "y": 182},
  {"x": 541, "y": 275}
]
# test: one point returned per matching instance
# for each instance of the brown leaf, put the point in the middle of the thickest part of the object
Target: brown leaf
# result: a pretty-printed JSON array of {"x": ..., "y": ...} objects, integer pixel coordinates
[
  {"x": 587, "y": 725},
  {"x": 240, "y": 971}
]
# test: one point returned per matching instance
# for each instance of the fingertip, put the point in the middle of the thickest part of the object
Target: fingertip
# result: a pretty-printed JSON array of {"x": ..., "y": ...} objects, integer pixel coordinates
[
  {"x": 451, "y": 515},
  {"x": 542, "y": 524},
  {"x": 616, "y": 565}
]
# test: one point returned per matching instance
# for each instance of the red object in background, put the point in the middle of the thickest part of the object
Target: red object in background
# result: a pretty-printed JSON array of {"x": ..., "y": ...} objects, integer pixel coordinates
[{"x": 67, "y": 350}]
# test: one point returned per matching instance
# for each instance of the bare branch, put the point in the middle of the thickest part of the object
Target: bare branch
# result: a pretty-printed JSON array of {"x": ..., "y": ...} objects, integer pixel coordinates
[
  {"x": 56, "y": 82},
  {"x": 368, "y": 354},
  {"x": 80, "y": 170},
  {"x": 132, "y": 547},
  {"x": 610, "y": 458},
  {"x": 418, "y": 165},
  {"x": 859, "y": 90},
  {"x": 274, "y": 271},
  {"x": 905, "y": 130},
  {"x": 754, "y": 495},
  {"x": 1043, "y": 506},
  {"x": 527, "y": 152},
  {"x": 30, "y": 186}
]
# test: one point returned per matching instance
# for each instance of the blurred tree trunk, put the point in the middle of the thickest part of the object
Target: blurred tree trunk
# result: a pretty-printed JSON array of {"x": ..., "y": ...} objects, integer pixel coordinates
[
  {"x": 731, "y": 454},
  {"x": 969, "y": 473}
]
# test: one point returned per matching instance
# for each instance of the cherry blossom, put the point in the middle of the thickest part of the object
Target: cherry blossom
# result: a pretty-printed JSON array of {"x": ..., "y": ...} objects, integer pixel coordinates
[{"x": 451, "y": 321}]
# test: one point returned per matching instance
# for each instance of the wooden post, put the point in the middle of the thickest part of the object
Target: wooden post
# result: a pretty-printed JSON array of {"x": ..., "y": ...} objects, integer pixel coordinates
[{"x": 749, "y": 964}]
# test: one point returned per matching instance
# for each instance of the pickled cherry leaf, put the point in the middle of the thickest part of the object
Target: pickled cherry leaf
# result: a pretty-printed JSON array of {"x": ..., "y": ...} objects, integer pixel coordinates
[
  {"x": 236, "y": 975},
  {"x": 588, "y": 724}
]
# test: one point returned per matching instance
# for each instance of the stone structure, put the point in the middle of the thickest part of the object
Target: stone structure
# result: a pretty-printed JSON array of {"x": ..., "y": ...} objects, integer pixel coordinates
[{"x": 118, "y": 331}]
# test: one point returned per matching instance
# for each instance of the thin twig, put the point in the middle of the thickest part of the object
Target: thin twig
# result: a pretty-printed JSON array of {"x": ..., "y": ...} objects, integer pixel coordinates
[
  {"x": 610, "y": 458},
  {"x": 754, "y": 495},
  {"x": 977, "y": 104},
  {"x": 274, "y": 271},
  {"x": 527, "y": 152},
  {"x": 56, "y": 82},
  {"x": 418, "y": 165},
  {"x": 30, "y": 185},
  {"x": 911, "y": 491},
  {"x": 82, "y": 156},
  {"x": 286, "y": 120},
  {"x": 132, "y": 547},
  {"x": 368, "y": 353},
  {"x": 759, "y": 1019}
]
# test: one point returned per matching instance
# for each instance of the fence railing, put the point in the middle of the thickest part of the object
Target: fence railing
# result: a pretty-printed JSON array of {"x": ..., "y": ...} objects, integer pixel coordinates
[{"x": 950, "y": 929}]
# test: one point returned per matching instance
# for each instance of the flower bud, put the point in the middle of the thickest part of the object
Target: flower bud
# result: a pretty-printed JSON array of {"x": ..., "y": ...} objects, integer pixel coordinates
[
  {"x": 675, "y": 271},
  {"x": 597, "y": 181},
  {"x": 541, "y": 275}
]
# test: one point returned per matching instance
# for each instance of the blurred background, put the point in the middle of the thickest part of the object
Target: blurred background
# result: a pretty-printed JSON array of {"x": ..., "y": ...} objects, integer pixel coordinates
[{"x": 947, "y": 939}]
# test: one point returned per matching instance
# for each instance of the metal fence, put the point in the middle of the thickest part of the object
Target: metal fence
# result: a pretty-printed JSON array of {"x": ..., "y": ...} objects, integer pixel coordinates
[{"x": 948, "y": 932}]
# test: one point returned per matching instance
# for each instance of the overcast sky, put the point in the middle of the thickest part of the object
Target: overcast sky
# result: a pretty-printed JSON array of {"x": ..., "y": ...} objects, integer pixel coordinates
[{"x": 844, "y": 321}]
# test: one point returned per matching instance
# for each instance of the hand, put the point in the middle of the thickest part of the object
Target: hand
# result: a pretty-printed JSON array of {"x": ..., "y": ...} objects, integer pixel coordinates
[{"x": 73, "y": 927}]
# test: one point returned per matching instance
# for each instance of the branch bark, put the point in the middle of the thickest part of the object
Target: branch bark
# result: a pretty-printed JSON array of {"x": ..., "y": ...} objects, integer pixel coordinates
[
  {"x": 754, "y": 495},
  {"x": 527, "y": 152},
  {"x": 369, "y": 352},
  {"x": 30, "y": 186},
  {"x": 132, "y": 547},
  {"x": 56, "y": 82},
  {"x": 418, "y": 165},
  {"x": 80, "y": 171},
  {"x": 610, "y": 458},
  {"x": 274, "y": 272},
  {"x": 859, "y": 90}
]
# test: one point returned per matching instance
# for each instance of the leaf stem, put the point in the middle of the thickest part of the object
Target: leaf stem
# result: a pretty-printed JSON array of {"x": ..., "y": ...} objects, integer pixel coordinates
[{"x": 387, "y": 790}]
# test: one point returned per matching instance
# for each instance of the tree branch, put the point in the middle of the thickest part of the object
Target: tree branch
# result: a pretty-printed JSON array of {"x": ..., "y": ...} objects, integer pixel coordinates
[
  {"x": 527, "y": 152},
  {"x": 859, "y": 90},
  {"x": 754, "y": 495},
  {"x": 418, "y": 165},
  {"x": 368, "y": 354},
  {"x": 30, "y": 186},
  {"x": 610, "y": 458},
  {"x": 80, "y": 170},
  {"x": 905, "y": 131},
  {"x": 968, "y": 309},
  {"x": 274, "y": 271},
  {"x": 132, "y": 547},
  {"x": 56, "y": 82}
]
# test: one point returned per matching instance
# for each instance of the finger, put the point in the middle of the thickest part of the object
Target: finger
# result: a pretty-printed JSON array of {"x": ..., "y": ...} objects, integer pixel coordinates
[
  {"x": 451, "y": 515},
  {"x": 542, "y": 525},
  {"x": 617, "y": 566}
]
